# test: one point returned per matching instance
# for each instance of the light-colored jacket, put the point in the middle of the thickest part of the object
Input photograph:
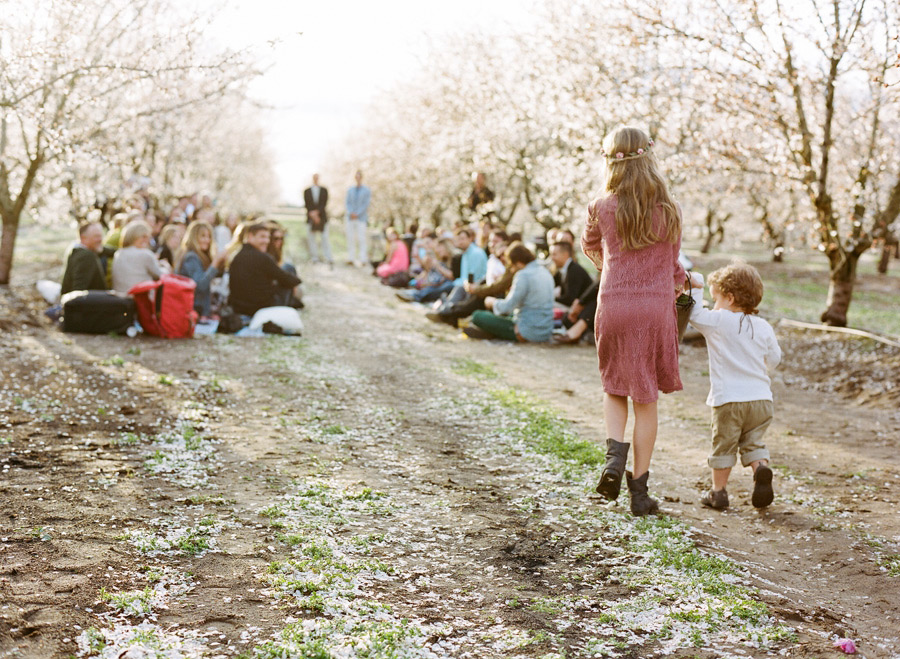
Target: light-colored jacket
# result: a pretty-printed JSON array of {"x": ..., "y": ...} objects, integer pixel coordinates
[
  {"x": 357, "y": 201},
  {"x": 530, "y": 301}
]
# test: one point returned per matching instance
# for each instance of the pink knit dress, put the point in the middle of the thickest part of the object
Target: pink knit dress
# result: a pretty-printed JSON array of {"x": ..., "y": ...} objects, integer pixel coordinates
[{"x": 635, "y": 327}]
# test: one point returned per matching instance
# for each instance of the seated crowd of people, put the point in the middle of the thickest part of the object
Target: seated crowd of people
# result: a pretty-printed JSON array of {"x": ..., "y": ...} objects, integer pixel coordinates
[
  {"x": 238, "y": 267},
  {"x": 490, "y": 282}
]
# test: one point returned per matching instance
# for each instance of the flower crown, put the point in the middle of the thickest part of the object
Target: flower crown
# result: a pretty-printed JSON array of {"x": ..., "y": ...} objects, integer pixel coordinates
[{"x": 631, "y": 155}]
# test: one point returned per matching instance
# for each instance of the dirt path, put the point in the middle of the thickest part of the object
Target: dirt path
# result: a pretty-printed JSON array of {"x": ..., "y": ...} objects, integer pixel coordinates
[{"x": 385, "y": 486}]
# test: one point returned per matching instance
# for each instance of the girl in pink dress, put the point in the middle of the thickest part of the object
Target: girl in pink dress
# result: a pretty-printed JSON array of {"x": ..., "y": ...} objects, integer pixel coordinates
[
  {"x": 633, "y": 236},
  {"x": 397, "y": 259}
]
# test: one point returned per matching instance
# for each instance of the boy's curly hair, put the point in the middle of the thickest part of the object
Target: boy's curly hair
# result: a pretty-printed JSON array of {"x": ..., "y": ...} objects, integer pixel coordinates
[{"x": 742, "y": 282}]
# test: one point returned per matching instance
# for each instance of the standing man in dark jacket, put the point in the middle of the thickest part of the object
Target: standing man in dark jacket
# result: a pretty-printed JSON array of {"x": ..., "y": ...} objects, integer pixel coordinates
[
  {"x": 254, "y": 276},
  {"x": 315, "y": 199},
  {"x": 84, "y": 271}
]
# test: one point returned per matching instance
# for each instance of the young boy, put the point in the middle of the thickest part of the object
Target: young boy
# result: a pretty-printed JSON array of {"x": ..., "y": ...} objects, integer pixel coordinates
[{"x": 742, "y": 348}]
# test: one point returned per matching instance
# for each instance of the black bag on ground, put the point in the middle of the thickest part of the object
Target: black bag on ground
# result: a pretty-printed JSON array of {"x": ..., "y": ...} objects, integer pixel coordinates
[
  {"x": 96, "y": 312},
  {"x": 397, "y": 280}
]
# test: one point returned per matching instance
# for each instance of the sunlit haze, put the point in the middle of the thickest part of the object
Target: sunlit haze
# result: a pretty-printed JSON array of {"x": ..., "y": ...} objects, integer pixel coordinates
[{"x": 328, "y": 59}]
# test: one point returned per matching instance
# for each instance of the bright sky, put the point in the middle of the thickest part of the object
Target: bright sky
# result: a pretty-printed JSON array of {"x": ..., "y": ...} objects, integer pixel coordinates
[{"x": 332, "y": 56}]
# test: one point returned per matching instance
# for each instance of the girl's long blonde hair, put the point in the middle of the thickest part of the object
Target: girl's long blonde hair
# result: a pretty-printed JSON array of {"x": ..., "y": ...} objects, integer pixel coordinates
[
  {"x": 634, "y": 178},
  {"x": 191, "y": 243}
]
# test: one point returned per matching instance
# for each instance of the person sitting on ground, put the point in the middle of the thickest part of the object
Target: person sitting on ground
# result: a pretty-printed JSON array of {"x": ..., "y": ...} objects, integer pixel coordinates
[
  {"x": 254, "y": 277},
  {"x": 84, "y": 270},
  {"x": 530, "y": 301},
  {"x": 580, "y": 316},
  {"x": 497, "y": 281},
  {"x": 565, "y": 236},
  {"x": 473, "y": 267},
  {"x": 134, "y": 262},
  {"x": 157, "y": 221},
  {"x": 397, "y": 257},
  {"x": 498, "y": 241},
  {"x": 742, "y": 349},
  {"x": 197, "y": 259},
  {"x": 436, "y": 264},
  {"x": 571, "y": 278},
  {"x": 424, "y": 242},
  {"x": 224, "y": 231},
  {"x": 169, "y": 241},
  {"x": 286, "y": 296},
  {"x": 113, "y": 237}
]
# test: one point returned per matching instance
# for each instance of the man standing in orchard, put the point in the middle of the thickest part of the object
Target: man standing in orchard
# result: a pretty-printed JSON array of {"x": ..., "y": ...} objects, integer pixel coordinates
[
  {"x": 315, "y": 198},
  {"x": 357, "y": 204}
]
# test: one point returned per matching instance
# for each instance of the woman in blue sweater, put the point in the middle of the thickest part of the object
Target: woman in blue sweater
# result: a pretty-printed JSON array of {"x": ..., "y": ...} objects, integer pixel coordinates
[
  {"x": 198, "y": 260},
  {"x": 526, "y": 313}
]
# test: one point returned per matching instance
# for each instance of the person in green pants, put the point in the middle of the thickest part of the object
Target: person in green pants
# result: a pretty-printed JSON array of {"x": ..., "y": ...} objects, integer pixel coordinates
[{"x": 526, "y": 313}]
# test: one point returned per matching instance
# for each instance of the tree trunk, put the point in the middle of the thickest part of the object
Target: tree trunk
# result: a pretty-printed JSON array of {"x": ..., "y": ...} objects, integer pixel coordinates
[
  {"x": 840, "y": 290},
  {"x": 889, "y": 249},
  {"x": 7, "y": 245}
]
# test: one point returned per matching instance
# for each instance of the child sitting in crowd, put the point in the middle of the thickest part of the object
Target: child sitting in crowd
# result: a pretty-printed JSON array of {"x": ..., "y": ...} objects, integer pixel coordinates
[{"x": 742, "y": 348}]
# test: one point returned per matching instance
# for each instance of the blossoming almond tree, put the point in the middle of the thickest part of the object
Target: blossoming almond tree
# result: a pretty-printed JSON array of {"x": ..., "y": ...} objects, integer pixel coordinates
[
  {"x": 806, "y": 88},
  {"x": 78, "y": 78}
]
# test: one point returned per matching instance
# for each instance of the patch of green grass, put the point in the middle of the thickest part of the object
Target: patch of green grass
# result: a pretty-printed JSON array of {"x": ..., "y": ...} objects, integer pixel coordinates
[
  {"x": 192, "y": 439},
  {"x": 272, "y": 512},
  {"x": 335, "y": 429},
  {"x": 548, "y": 434},
  {"x": 472, "y": 368},
  {"x": 166, "y": 380},
  {"x": 135, "y": 601},
  {"x": 890, "y": 562},
  {"x": 547, "y": 605},
  {"x": 126, "y": 439},
  {"x": 115, "y": 360},
  {"x": 193, "y": 542},
  {"x": 200, "y": 499},
  {"x": 96, "y": 641}
]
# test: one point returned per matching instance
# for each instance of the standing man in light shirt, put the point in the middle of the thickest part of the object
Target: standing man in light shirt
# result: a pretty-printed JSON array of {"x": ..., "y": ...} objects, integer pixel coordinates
[
  {"x": 357, "y": 203},
  {"x": 315, "y": 199}
]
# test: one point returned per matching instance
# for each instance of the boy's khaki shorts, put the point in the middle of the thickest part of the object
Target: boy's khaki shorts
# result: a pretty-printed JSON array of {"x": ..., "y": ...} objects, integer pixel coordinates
[{"x": 739, "y": 427}]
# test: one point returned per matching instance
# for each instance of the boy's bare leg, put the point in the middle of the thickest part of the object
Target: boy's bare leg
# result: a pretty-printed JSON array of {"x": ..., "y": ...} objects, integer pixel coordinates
[
  {"x": 720, "y": 478},
  {"x": 759, "y": 463}
]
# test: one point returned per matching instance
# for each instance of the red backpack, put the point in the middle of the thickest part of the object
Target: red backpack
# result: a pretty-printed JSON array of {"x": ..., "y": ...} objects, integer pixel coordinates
[{"x": 166, "y": 307}]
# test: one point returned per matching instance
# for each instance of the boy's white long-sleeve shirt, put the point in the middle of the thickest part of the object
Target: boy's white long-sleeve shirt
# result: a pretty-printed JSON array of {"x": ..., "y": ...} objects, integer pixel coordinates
[{"x": 742, "y": 349}]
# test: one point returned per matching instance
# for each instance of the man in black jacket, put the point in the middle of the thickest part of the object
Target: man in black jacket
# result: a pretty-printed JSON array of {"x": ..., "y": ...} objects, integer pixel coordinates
[
  {"x": 571, "y": 279},
  {"x": 315, "y": 199},
  {"x": 254, "y": 276},
  {"x": 84, "y": 271}
]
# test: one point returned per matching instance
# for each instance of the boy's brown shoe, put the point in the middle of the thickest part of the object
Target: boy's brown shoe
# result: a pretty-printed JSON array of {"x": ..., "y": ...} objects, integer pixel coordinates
[
  {"x": 763, "y": 494},
  {"x": 715, "y": 499}
]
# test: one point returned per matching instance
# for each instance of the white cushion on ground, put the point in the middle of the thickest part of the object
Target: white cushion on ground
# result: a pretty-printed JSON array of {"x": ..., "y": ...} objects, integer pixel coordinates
[
  {"x": 49, "y": 290},
  {"x": 287, "y": 318}
]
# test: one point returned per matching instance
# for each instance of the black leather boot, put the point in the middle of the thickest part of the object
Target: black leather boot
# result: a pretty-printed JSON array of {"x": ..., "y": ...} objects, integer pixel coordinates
[
  {"x": 611, "y": 478},
  {"x": 641, "y": 502}
]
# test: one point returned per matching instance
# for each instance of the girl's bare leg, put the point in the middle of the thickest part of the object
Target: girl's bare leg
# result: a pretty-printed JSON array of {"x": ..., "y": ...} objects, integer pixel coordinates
[
  {"x": 646, "y": 422},
  {"x": 615, "y": 415}
]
